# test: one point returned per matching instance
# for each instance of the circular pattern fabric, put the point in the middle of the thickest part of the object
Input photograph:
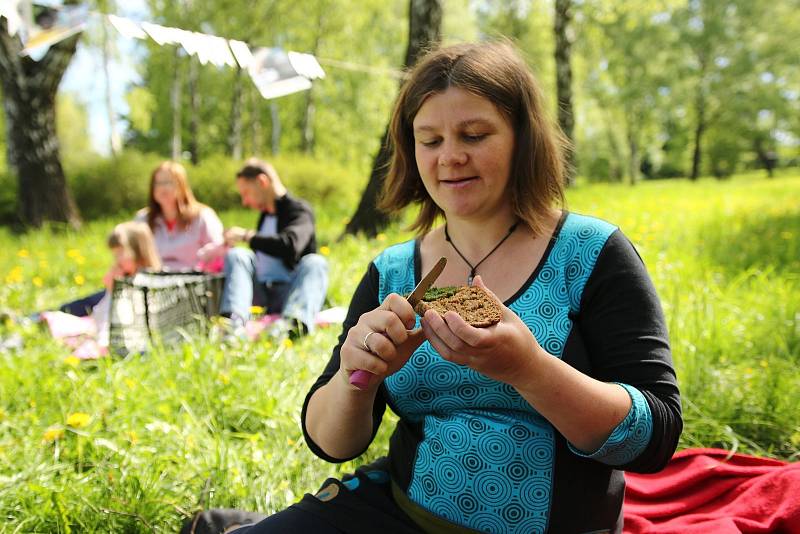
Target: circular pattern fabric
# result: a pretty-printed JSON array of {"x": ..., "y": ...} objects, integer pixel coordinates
[{"x": 486, "y": 457}]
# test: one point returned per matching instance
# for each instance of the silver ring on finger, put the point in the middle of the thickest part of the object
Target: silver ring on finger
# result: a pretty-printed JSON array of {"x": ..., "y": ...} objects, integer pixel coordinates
[{"x": 365, "y": 341}]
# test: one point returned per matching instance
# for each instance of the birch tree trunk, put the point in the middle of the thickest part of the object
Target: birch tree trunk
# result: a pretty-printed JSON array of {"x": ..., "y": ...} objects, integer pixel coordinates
[
  {"x": 194, "y": 112},
  {"x": 177, "y": 121},
  {"x": 29, "y": 90},
  {"x": 114, "y": 141},
  {"x": 235, "y": 132}
]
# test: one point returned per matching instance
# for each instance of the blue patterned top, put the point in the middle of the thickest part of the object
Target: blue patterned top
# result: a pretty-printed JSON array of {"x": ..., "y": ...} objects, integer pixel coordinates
[{"x": 486, "y": 458}]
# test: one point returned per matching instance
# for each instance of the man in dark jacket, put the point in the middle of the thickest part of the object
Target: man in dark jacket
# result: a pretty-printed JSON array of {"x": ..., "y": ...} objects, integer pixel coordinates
[{"x": 281, "y": 270}]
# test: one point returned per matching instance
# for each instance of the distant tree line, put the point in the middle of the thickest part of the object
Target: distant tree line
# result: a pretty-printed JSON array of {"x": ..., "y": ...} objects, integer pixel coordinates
[{"x": 646, "y": 88}]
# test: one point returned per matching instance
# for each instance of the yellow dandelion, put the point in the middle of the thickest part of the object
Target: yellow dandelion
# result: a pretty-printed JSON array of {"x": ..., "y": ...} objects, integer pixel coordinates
[
  {"x": 325, "y": 250},
  {"x": 290, "y": 441},
  {"x": 78, "y": 420},
  {"x": 23, "y": 253},
  {"x": 256, "y": 310},
  {"x": 130, "y": 383},
  {"x": 53, "y": 434},
  {"x": 381, "y": 237},
  {"x": 288, "y": 343},
  {"x": 225, "y": 379},
  {"x": 133, "y": 438},
  {"x": 79, "y": 279},
  {"x": 14, "y": 276},
  {"x": 37, "y": 281},
  {"x": 73, "y": 253},
  {"x": 764, "y": 363},
  {"x": 72, "y": 361}
]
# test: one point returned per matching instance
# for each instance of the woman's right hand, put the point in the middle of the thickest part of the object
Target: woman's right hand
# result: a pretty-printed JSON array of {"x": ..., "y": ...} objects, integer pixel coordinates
[{"x": 389, "y": 346}]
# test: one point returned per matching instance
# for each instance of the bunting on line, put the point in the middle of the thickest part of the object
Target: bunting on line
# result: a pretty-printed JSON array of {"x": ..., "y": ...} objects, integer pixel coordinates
[{"x": 275, "y": 72}]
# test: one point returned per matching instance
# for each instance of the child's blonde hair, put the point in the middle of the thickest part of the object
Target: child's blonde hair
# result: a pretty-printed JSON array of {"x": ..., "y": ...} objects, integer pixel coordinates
[{"x": 136, "y": 239}]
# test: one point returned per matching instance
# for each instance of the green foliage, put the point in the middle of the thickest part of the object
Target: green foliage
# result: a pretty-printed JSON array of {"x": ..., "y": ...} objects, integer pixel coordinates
[
  {"x": 72, "y": 123},
  {"x": 111, "y": 186},
  {"x": 118, "y": 186},
  {"x": 174, "y": 427}
]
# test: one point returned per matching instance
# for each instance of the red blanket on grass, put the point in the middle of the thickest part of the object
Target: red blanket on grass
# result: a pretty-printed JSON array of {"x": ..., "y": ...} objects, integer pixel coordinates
[{"x": 712, "y": 491}]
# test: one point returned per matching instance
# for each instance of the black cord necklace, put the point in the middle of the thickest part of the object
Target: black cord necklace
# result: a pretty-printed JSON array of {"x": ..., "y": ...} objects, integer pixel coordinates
[{"x": 474, "y": 268}]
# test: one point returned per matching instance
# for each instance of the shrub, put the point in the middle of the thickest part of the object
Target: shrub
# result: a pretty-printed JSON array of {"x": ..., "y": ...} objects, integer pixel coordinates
[
  {"x": 105, "y": 187},
  {"x": 111, "y": 186}
]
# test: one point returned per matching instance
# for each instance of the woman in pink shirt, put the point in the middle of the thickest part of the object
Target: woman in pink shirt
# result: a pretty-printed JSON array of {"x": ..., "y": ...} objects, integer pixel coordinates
[{"x": 186, "y": 232}]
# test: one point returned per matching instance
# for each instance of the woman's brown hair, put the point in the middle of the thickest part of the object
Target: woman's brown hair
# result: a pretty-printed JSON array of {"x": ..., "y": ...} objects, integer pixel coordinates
[
  {"x": 136, "y": 239},
  {"x": 496, "y": 72},
  {"x": 188, "y": 207}
]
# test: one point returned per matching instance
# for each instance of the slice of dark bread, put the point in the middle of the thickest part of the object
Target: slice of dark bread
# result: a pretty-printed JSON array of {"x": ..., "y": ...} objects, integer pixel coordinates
[{"x": 472, "y": 303}]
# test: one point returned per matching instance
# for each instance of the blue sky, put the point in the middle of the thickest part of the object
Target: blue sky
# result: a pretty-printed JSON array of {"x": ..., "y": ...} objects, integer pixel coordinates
[{"x": 84, "y": 79}]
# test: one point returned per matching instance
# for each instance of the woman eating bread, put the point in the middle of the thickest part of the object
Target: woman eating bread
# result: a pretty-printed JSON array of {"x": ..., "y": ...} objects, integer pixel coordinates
[{"x": 522, "y": 425}]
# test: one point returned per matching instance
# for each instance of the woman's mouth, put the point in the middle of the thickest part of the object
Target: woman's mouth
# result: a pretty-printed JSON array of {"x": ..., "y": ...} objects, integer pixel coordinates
[{"x": 457, "y": 183}]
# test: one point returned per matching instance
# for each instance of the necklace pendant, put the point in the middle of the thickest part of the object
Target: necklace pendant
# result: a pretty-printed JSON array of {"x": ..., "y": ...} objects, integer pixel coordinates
[{"x": 470, "y": 278}]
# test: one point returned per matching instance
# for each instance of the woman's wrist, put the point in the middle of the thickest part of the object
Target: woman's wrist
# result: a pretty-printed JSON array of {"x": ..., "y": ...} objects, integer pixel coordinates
[{"x": 531, "y": 372}]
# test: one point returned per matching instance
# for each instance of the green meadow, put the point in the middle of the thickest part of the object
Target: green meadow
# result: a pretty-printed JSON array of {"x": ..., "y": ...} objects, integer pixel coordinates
[{"x": 138, "y": 444}]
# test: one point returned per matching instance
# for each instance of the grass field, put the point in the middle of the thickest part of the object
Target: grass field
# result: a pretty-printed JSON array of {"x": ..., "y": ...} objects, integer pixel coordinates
[{"x": 135, "y": 445}]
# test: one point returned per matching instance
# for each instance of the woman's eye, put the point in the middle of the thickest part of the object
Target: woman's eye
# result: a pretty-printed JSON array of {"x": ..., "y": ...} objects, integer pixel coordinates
[
  {"x": 474, "y": 138},
  {"x": 430, "y": 142}
]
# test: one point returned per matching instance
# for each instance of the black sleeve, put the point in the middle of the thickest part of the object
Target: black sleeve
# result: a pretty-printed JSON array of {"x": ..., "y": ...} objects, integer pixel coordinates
[
  {"x": 292, "y": 240},
  {"x": 364, "y": 299},
  {"x": 625, "y": 333}
]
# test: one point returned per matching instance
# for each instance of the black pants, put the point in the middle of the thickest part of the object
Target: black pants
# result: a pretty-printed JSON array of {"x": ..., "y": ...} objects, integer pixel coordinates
[
  {"x": 83, "y": 306},
  {"x": 358, "y": 504}
]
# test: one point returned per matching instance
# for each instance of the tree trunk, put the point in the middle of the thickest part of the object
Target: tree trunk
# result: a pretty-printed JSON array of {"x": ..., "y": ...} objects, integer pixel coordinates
[
  {"x": 29, "y": 91},
  {"x": 194, "y": 111},
  {"x": 177, "y": 121},
  {"x": 276, "y": 128},
  {"x": 307, "y": 126},
  {"x": 424, "y": 31},
  {"x": 114, "y": 141},
  {"x": 235, "y": 132},
  {"x": 255, "y": 121},
  {"x": 698, "y": 135},
  {"x": 768, "y": 158},
  {"x": 700, "y": 111},
  {"x": 563, "y": 55},
  {"x": 307, "y": 122},
  {"x": 633, "y": 159}
]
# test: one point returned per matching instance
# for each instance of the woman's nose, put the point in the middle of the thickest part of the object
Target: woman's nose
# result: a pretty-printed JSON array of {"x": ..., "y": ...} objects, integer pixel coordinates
[{"x": 452, "y": 155}]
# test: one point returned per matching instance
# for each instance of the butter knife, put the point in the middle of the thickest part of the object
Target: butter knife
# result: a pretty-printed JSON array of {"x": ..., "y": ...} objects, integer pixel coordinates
[{"x": 360, "y": 378}]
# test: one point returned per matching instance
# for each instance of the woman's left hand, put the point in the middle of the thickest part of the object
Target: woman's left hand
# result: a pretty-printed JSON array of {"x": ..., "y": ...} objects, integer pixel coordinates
[{"x": 506, "y": 351}]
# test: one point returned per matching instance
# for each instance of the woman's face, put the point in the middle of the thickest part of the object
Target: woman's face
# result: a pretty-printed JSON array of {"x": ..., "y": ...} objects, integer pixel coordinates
[
  {"x": 463, "y": 147},
  {"x": 165, "y": 190},
  {"x": 123, "y": 261}
]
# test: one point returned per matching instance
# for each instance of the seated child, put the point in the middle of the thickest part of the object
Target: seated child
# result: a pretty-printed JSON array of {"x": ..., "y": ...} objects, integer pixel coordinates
[{"x": 134, "y": 249}]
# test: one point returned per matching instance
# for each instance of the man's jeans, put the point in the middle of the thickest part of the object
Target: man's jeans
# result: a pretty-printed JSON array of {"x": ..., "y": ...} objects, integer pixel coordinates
[{"x": 300, "y": 298}]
